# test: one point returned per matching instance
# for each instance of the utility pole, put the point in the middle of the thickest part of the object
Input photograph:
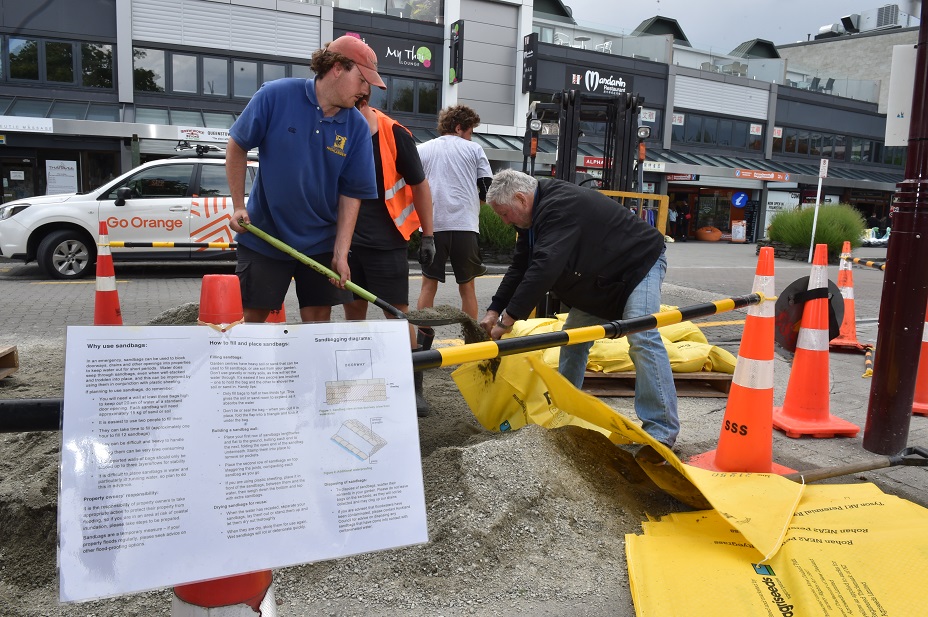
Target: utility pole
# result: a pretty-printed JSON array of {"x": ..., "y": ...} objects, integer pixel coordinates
[{"x": 905, "y": 284}]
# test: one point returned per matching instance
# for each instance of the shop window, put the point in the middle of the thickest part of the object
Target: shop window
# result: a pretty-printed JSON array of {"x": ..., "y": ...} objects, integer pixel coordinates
[
  {"x": 104, "y": 112},
  {"x": 877, "y": 151},
  {"x": 428, "y": 97},
  {"x": 68, "y": 110},
  {"x": 24, "y": 58},
  {"x": 299, "y": 70},
  {"x": 739, "y": 135},
  {"x": 677, "y": 133},
  {"x": 183, "y": 74},
  {"x": 710, "y": 130},
  {"x": 244, "y": 78},
  {"x": 270, "y": 72},
  {"x": 59, "y": 62},
  {"x": 96, "y": 65},
  {"x": 403, "y": 94},
  {"x": 148, "y": 70},
  {"x": 218, "y": 120},
  {"x": 29, "y": 108},
  {"x": 378, "y": 98},
  {"x": 693, "y": 129},
  {"x": 756, "y": 142},
  {"x": 802, "y": 145},
  {"x": 215, "y": 77},
  {"x": 790, "y": 139},
  {"x": 860, "y": 150},
  {"x": 815, "y": 144},
  {"x": 151, "y": 115},
  {"x": 840, "y": 148},
  {"x": 187, "y": 117},
  {"x": 827, "y": 148},
  {"x": 724, "y": 134}
]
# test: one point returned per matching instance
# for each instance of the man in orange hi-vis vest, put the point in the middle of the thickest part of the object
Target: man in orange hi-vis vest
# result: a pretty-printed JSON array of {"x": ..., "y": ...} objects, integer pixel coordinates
[{"x": 378, "y": 257}]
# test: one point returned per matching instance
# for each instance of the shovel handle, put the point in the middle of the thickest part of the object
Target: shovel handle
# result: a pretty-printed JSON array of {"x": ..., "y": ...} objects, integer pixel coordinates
[
  {"x": 318, "y": 267},
  {"x": 823, "y": 473}
]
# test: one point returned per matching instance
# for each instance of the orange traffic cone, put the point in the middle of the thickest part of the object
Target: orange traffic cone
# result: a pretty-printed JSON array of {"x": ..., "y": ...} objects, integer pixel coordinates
[
  {"x": 221, "y": 301},
  {"x": 847, "y": 339},
  {"x": 278, "y": 316},
  {"x": 920, "y": 405},
  {"x": 221, "y": 304},
  {"x": 106, "y": 303},
  {"x": 746, "y": 439},
  {"x": 805, "y": 408}
]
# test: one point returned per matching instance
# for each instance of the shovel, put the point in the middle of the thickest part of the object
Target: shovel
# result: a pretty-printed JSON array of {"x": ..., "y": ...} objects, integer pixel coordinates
[
  {"x": 318, "y": 267},
  {"x": 914, "y": 456},
  {"x": 674, "y": 483}
]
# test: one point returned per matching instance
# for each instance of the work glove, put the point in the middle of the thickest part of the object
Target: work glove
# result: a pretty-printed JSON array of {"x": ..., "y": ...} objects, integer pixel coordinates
[{"x": 427, "y": 251}]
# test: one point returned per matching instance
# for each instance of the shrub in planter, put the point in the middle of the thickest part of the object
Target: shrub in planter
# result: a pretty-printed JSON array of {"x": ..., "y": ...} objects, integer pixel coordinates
[
  {"x": 495, "y": 235},
  {"x": 837, "y": 224}
]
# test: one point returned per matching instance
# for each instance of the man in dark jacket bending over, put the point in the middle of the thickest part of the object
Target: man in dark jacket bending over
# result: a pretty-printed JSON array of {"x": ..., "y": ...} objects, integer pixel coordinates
[{"x": 603, "y": 262}]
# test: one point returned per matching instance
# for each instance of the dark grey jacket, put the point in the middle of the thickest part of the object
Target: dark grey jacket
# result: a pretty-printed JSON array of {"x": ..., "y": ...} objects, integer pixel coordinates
[{"x": 585, "y": 247}]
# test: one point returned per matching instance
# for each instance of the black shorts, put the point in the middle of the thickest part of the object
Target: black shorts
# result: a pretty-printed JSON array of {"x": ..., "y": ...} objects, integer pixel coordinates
[
  {"x": 464, "y": 252},
  {"x": 382, "y": 272},
  {"x": 265, "y": 281}
]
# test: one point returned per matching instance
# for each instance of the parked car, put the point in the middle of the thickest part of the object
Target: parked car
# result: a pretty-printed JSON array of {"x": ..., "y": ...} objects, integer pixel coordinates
[{"x": 179, "y": 199}]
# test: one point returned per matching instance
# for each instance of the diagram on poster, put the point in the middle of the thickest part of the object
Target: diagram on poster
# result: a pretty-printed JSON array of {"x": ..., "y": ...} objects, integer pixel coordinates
[
  {"x": 355, "y": 379},
  {"x": 191, "y": 454}
]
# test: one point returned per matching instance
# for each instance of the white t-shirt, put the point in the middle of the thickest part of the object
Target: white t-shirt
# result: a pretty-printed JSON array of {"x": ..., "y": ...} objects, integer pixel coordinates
[{"x": 452, "y": 165}]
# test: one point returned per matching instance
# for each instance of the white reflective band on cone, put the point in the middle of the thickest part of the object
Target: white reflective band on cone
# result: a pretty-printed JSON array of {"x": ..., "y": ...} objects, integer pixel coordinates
[
  {"x": 812, "y": 340},
  {"x": 764, "y": 285},
  {"x": 754, "y": 374},
  {"x": 845, "y": 264},
  {"x": 106, "y": 283},
  {"x": 925, "y": 333},
  {"x": 847, "y": 293},
  {"x": 268, "y": 608},
  {"x": 819, "y": 278}
]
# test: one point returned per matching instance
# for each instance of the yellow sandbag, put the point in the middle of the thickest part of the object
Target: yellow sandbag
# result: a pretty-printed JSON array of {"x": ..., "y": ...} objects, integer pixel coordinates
[
  {"x": 514, "y": 397},
  {"x": 539, "y": 325},
  {"x": 687, "y": 356},
  {"x": 683, "y": 331},
  {"x": 721, "y": 360},
  {"x": 610, "y": 356}
]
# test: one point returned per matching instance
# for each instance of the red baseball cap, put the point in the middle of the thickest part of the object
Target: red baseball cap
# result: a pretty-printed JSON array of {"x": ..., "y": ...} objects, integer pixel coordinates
[{"x": 361, "y": 54}]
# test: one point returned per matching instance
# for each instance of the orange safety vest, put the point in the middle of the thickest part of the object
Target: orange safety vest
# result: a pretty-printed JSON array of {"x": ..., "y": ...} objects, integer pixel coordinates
[{"x": 397, "y": 194}]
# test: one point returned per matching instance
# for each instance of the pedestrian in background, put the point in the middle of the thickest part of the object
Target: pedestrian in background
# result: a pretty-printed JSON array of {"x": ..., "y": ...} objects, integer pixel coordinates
[
  {"x": 683, "y": 221},
  {"x": 602, "y": 261},
  {"x": 459, "y": 174},
  {"x": 378, "y": 257},
  {"x": 316, "y": 165},
  {"x": 672, "y": 222}
]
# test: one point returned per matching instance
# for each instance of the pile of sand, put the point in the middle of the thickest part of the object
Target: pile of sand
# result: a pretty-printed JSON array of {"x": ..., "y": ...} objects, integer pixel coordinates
[{"x": 525, "y": 523}]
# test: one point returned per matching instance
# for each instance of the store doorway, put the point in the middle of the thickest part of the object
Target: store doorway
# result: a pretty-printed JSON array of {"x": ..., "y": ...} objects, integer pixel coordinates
[{"x": 18, "y": 178}]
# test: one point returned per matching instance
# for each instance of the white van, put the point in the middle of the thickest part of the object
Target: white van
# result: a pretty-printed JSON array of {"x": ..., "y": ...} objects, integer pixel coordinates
[{"x": 180, "y": 199}]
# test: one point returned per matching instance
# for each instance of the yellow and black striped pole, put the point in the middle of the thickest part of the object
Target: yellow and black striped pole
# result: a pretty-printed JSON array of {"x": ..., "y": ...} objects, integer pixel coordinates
[
  {"x": 448, "y": 356},
  {"x": 171, "y": 245},
  {"x": 876, "y": 265}
]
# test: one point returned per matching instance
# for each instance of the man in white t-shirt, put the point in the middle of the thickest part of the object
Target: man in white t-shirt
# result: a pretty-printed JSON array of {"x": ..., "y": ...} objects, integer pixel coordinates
[{"x": 459, "y": 175}]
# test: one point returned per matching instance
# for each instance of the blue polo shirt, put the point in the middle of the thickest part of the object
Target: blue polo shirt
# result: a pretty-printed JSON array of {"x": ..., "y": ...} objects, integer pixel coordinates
[{"x": 306, "y": 161}]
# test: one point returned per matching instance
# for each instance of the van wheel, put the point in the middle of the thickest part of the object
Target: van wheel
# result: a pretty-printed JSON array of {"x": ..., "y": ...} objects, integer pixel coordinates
[{"x": 66, "y": 254}]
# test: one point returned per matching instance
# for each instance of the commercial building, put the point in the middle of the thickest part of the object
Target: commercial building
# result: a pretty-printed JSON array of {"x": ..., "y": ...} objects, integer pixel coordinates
[{"x": 92, "y": 87}]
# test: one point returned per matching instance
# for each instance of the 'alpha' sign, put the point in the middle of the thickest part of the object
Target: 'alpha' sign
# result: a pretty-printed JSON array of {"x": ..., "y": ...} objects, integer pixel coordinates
[{"x": 597, "y": 81}]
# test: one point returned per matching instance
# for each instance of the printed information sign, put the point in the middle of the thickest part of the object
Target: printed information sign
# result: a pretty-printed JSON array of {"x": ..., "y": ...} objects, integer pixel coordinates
[{"x": 190, "y": 454}]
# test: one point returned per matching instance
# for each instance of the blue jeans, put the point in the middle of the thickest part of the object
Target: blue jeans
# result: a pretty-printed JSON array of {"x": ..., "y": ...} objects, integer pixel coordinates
[{"x": 655, "y": 394}]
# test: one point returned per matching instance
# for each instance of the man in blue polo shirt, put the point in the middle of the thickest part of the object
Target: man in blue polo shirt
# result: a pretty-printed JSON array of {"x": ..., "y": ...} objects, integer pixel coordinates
[{"x": 316, "y": 165}]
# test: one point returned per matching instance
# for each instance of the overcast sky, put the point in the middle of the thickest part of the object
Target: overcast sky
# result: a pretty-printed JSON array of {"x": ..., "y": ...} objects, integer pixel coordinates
[{"x": 724, "y": 24}]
